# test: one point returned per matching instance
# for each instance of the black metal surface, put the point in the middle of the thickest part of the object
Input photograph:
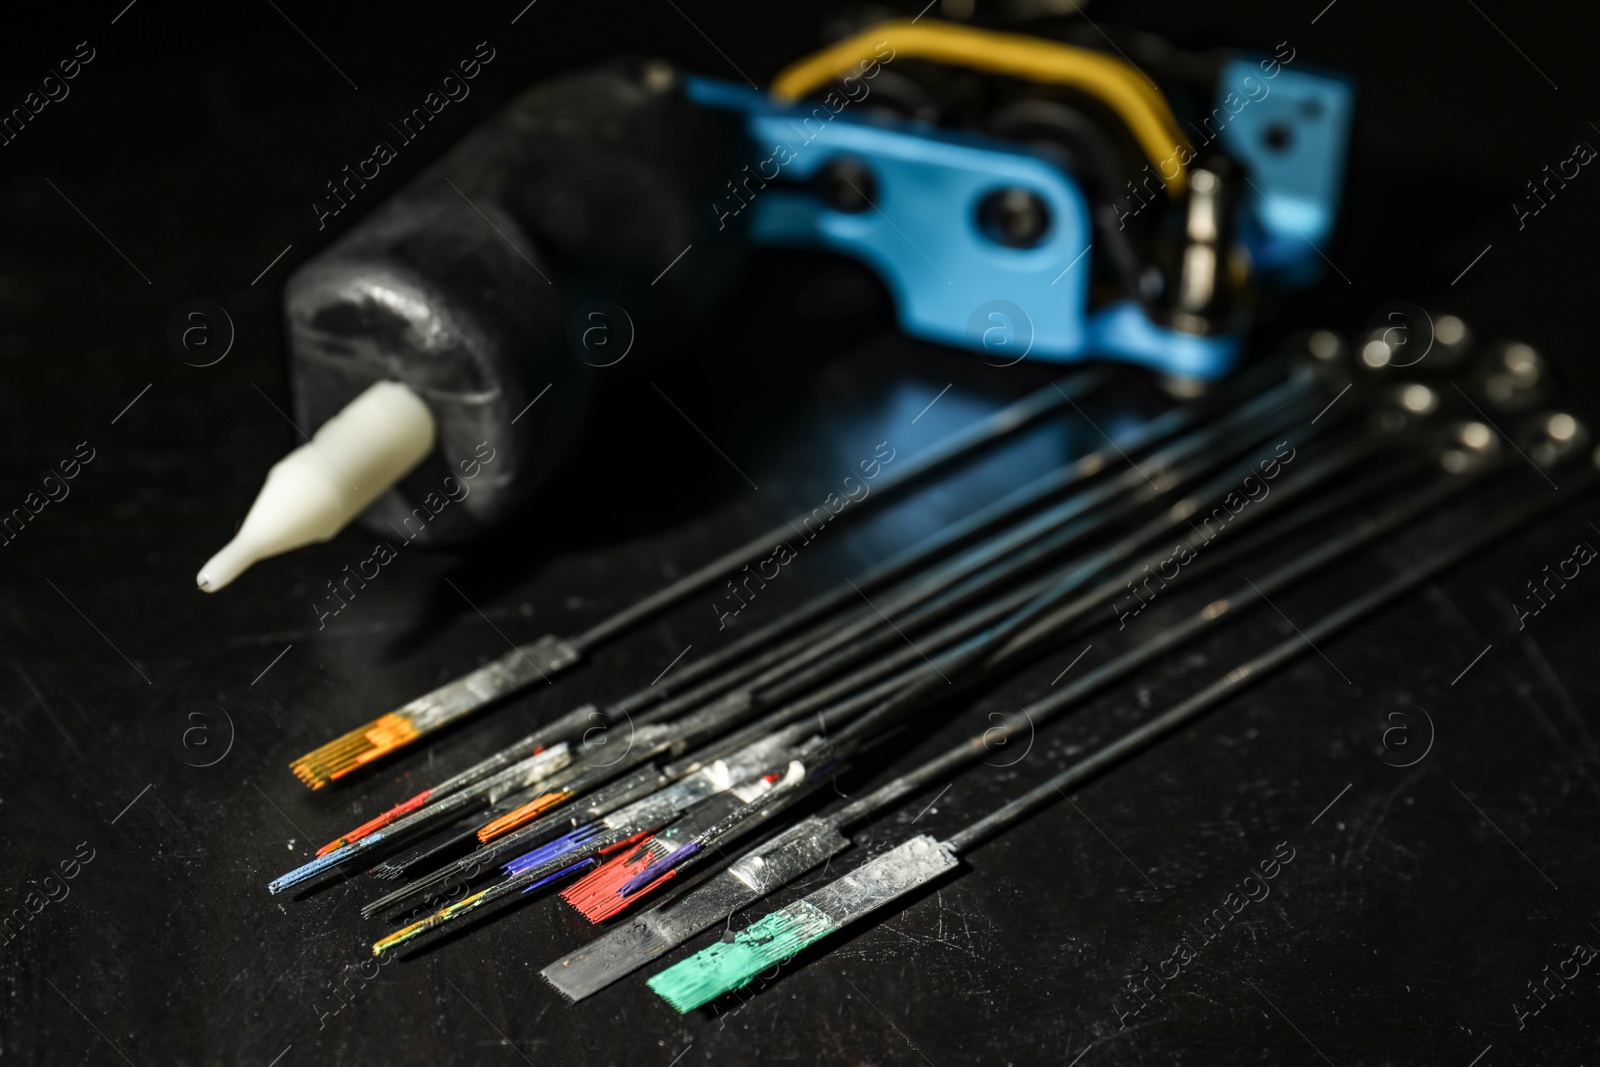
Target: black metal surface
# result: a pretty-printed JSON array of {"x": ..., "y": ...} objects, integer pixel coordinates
[{"x": 147, "y": 727}]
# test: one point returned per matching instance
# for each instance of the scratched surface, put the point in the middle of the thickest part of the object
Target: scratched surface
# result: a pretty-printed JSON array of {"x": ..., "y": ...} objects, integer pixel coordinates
[{"x": 1262, "y": 889}]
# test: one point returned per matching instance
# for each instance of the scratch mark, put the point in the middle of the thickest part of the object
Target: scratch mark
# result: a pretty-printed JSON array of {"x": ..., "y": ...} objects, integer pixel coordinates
[
  {"x": 1502, "y": 833},
  {"x": 890, "y": 1021},
  {"x": 1444, "y": 601},
  {"x": 1110, "y": 842},
  {"x": 1285, "y": 1018},
  {"x": 1536, "y": 656},
  {"x": 38, "y": 696}
]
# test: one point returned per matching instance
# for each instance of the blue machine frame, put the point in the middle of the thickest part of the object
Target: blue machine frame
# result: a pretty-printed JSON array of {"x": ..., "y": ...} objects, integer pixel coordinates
[{"x": 953, "y": 284}]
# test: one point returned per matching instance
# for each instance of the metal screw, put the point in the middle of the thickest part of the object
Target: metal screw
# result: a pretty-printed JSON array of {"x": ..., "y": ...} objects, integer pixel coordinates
[
  {"x": 847, "y": 185},
  {"x": 1014, "y": 217}
]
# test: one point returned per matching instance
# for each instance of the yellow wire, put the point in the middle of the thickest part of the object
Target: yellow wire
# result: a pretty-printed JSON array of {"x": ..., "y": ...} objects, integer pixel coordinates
[{"x": 1120, "y": 85}]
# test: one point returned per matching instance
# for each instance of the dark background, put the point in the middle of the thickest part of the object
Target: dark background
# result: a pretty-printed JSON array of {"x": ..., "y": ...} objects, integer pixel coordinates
[{"x": 1414, "y": 910}]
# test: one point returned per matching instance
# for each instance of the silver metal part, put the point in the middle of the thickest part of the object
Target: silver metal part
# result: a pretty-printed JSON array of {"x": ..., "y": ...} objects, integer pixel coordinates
[
  {"x": 498, "y": 678},
  {"x": 623, "y": 950},
  {"x": 535, "y": 768},
  {"x": 609, "y": 798},
  {"x": 1468, "y": 444},
  {"x": 1402, "y": 406},
  {"x": 661, "y": 807},
  {"x": 1552, "y": 438},
  {"x": 756, "y": 758},
  {"x": 791, "y": 854},
  {"x": 1513, "y": 377},
  {"x": 892, "y": 875},
  {"x": 722, "y": 775}
]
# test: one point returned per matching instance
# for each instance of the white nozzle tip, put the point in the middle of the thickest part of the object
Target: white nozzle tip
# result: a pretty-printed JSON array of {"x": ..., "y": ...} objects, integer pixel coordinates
[
  {"x": 222, "y": 568},
  {"x": 310, "y": 494}
]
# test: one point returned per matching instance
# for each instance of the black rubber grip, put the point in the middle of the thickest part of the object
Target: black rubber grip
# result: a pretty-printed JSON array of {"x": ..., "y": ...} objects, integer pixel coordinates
[{"x": 464, "y": 283}]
